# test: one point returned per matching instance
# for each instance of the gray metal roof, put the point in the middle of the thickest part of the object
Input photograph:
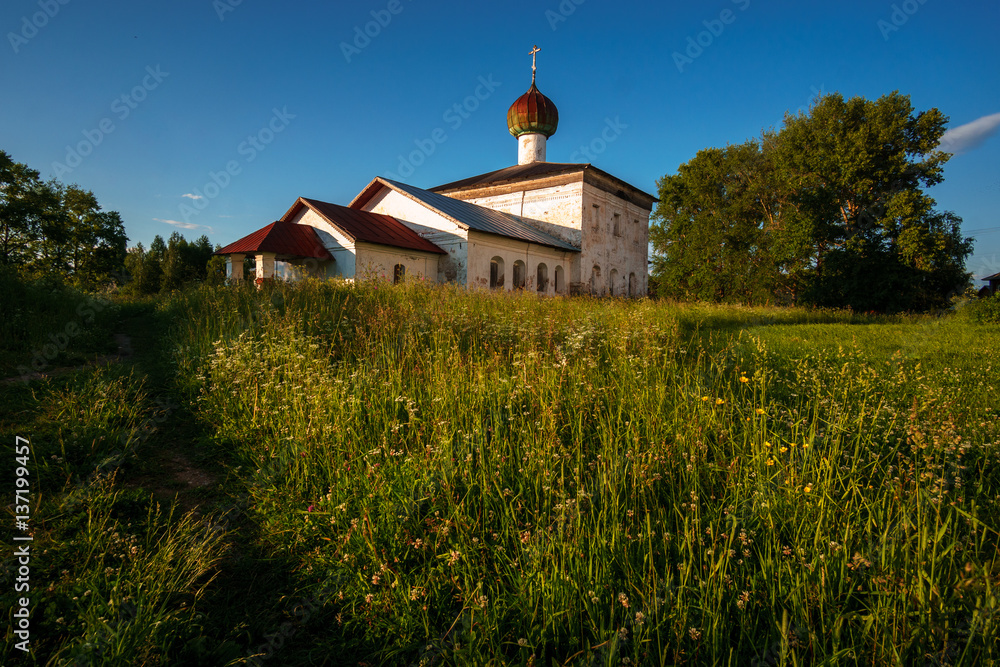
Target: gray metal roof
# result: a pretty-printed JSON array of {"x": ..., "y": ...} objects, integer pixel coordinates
[
  {"x": 526, "y": 172},
  {"x": 481, "y": 218}
]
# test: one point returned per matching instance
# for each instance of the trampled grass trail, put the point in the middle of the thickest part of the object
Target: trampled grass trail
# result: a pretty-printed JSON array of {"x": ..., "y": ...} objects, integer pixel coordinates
[{"x": 459, "y": 478}]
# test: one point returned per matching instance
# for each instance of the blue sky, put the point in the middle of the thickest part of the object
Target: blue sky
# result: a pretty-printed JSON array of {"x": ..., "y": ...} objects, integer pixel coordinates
[{"x": 249, "y": 105}]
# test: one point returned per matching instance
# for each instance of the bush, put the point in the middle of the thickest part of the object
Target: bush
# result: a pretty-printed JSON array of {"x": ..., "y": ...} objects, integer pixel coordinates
[{"x": 985, "y": 310}]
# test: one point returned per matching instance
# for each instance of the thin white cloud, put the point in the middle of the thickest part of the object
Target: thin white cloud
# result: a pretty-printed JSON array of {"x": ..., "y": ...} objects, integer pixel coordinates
[
  {"x": 190, "y": 196},
  {"x": 970, "y": 136},
  {"x": 185, "y": 225}
]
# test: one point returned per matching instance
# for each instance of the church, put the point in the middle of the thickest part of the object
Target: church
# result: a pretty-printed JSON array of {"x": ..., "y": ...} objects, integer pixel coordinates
[{"x": 549, "y": 227}]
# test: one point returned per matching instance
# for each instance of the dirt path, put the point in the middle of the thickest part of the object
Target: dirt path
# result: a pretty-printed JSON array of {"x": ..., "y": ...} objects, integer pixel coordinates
[
  {"x": 168, "y": 463},
  {"x": 173, "y": 464}
]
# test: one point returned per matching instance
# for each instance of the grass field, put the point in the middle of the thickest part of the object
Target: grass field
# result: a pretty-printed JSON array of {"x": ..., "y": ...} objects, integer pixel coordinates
[{"x": 418, "y": 475}]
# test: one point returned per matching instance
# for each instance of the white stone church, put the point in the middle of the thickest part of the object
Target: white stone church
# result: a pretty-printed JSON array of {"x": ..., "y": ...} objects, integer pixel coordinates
[{"x": 549, "y": 227}]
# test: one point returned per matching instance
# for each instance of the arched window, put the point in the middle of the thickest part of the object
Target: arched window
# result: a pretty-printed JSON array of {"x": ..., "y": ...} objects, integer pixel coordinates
[
  {"x": 631, "y": 285},
  {"x": 496, "y": 273},
  {"x": 595, "y": 281},
  {"x": 542, "y": 278},
  {"x": 560, "y": 280},
  {"x": 613, "y": 282},
  {"x": 518, "y": 275},
  {"x": 398, "y": 274}
]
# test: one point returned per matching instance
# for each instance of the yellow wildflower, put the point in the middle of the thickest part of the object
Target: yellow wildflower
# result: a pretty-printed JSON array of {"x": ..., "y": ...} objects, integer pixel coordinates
[
  {"x": 719, "y": 401},
  {"x": 744, "y": 379}
]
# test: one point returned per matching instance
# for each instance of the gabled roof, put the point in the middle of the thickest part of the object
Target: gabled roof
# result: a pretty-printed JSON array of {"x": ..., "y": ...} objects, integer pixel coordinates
[
  {"x": 519, "y": 172},
  {"x": 465, "y": 214},
  {"x": 364, "y": 226},
  {"x": 281, "y": 238},
  {"x": 995, "y": 276},
  {"x": 537, "y": 170}
]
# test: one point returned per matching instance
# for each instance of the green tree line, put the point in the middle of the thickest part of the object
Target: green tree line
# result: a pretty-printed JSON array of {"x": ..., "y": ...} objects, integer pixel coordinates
[
  {"x": 48, "y": 229},
  {"x": 830, "y": 210},
  {"x": 170, "y": 265}
]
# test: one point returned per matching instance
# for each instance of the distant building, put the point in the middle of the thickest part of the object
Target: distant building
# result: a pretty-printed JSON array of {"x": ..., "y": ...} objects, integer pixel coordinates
[
  {"x": 551, "y": 228},
  {"x": 993, "y": 283}
]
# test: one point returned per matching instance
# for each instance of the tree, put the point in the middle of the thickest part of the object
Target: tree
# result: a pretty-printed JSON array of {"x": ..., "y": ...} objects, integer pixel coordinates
[
  {"x": 185, "y": 262},
  {"x": 721, "y": 242},
  {"x": 96, "y": 238},
  {"x": 216, "y": 268},
  {"x": 52, "y": 229},
  {"x": 830, "y": 211},
  {"x": 144, "y": 271},
  {"x": 172, "y": 265},
  {"x": 25, "y": 204}
]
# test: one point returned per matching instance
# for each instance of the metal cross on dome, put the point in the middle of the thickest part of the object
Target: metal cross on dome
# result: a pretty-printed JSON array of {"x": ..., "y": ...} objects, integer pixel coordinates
[{"x": 533, "y": 52}]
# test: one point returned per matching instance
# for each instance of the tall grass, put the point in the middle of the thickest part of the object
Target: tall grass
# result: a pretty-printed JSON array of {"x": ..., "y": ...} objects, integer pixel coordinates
[
  {"x": 499, "y": 479},
  {"x": 114, "y": 577},
  {"x": 46, "y": 323}
]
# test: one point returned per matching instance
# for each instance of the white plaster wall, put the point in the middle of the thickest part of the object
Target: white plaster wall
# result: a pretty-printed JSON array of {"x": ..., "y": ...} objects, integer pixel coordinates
[
  {"x": 531, "y": 148},
  {"x": 433, "y": 226},
  {"x": 378, "y": 261},
  {"x": 625, "y": 254},
  {"x": 556, "y": 210},
  {"x": 484, "y": 247},
  {"x": 339, "y": 246}
]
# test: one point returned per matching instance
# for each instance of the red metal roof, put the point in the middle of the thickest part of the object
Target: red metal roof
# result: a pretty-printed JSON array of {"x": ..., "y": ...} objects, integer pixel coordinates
[
  {"x": 365, "y": 226},
  {"x": 281, "y": 238}
]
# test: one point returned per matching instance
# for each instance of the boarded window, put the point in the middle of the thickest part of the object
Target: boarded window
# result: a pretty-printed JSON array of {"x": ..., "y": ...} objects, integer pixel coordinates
[
  {"x": 518, "y": 275},
  {"x": 496, "y": 273},
  {"x": 542, "y": 278}
]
